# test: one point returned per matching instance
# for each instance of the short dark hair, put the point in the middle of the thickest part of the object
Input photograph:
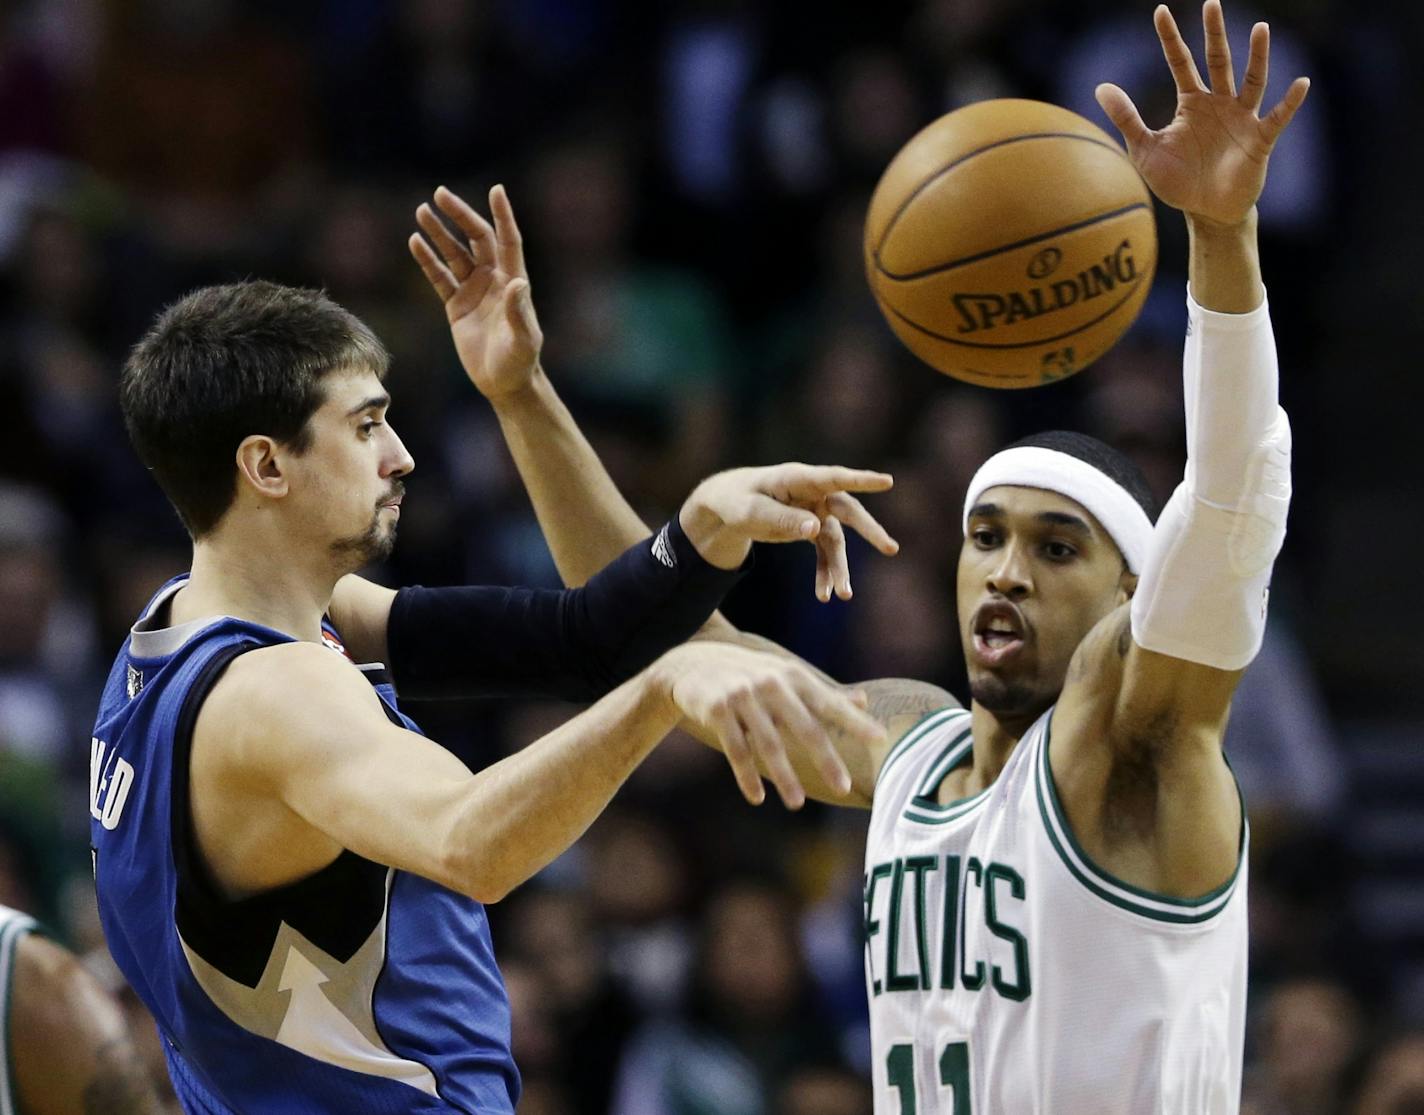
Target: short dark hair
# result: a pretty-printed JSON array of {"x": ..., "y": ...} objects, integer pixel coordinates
[
  {"x": 1113, "y": 463},
  {"x": 226, "y": 362}
]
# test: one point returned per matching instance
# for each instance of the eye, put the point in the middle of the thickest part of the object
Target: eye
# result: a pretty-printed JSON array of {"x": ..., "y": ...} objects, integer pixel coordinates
[
  {"x": 983, "y": 537},
  {"x": 1059, "y": 551},
  {"x": 367, "y": 426}
]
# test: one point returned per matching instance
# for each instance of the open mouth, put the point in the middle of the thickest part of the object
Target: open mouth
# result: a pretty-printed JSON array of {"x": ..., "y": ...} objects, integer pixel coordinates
[{"x": 998, "y": 630}]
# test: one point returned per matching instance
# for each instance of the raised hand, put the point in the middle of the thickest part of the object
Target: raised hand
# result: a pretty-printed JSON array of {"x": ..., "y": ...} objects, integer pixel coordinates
[
  {"x": 478, "y": 271},
  {"x": 727, "y": 512},
  {"x": 1210, "y": 161},
  {"x": 769, "y": 715}
]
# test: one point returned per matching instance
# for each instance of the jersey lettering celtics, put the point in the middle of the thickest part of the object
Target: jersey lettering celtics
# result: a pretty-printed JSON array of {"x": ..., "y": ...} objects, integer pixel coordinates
[{"x": 1008, "y": 975}]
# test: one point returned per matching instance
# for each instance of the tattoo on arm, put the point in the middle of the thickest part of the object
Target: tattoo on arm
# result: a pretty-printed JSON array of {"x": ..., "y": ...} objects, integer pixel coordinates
[
  {"x": 120, "y": 1084},
  {"x": 899, "y": 702}
]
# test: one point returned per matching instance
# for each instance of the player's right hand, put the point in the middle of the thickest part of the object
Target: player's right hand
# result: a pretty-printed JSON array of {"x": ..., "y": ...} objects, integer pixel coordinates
[
  {"x": 479, "y": 274},
  {"x": 761, "y": 709}
]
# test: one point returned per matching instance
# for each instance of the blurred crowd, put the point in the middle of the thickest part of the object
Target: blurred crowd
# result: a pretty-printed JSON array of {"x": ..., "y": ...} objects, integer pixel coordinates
[{"x": 691, "y": 178}]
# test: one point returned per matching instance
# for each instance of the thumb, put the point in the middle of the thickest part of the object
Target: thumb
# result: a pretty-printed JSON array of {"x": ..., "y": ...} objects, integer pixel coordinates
[{"x": 1123, "y": 113}]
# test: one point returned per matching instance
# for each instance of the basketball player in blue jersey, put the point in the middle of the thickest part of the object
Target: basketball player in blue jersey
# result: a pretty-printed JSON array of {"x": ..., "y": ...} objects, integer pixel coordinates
[
  {"x": 289, "y": 874},
  {"x": 1055, "y": 879},
  {"x": 65, "y": 1047}
]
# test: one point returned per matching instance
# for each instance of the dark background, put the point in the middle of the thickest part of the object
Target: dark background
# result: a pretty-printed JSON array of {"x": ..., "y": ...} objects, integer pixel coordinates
[{"x": 691, "y": 179}]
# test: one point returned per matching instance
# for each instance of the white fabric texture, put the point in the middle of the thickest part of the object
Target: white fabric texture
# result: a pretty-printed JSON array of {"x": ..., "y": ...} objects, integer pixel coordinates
[
  {"x": 1031, "y": 466},
  {"x": 1203, "y": 591}
]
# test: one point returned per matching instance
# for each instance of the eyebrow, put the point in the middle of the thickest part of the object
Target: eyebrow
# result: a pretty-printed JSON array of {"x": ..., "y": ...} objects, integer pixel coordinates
[
  {"x": 375, "y": 402},
  {"x": 984, "y": 510},
  {"x": 1062, "y": 519}
]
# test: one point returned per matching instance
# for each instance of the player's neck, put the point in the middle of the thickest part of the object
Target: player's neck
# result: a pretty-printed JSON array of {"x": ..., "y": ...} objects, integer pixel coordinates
[
  {"x": 995, "y": 738},
  {"x": 248, "y": 583}
]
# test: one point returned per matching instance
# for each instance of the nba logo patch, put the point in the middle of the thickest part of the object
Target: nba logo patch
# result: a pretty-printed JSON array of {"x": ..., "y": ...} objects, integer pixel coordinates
[{"x": 135, "y": 682}]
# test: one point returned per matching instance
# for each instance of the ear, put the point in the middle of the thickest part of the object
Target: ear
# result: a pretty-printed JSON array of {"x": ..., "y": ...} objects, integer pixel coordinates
[
  {"x": 1126, "y": 587},
  {"x": 259, "y": 466}
]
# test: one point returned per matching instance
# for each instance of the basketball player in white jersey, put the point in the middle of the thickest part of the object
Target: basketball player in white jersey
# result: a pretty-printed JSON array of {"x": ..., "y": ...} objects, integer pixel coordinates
[
  {"x": 65, "y": 1047},
  {"x": 1055, "y": 877}
]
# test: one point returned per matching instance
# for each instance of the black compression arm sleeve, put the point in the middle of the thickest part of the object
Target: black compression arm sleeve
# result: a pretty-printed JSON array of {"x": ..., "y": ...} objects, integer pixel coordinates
[{"x": 573, "y": 644}]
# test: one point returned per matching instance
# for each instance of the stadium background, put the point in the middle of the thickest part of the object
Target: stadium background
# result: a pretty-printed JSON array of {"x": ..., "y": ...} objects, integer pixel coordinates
[{"x": 691, "y": 178}]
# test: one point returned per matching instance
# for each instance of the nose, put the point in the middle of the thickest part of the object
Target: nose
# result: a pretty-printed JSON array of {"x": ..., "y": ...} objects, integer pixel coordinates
[
  {"x": 397, "y": 461},
  {"x": 1009, "y": 576}
]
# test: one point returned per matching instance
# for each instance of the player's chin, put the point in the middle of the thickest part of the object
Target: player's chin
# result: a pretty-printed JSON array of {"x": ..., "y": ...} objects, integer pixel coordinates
[{"x": 1002, "y": 692}]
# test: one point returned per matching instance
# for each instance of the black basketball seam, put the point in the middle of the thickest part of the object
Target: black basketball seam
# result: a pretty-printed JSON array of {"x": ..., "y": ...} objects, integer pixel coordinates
[
  {"x": 1018, "y": 344},
  {"x": 899, "y": 212},
  {"x": 978, "y": 256}
]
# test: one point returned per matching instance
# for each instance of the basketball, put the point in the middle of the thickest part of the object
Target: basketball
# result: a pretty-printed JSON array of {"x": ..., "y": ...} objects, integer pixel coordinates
[{"x": 1010, "y": 243}]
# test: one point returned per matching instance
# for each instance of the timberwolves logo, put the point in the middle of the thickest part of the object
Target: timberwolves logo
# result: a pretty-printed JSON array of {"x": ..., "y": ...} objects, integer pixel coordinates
[{"x": 134, "y": 682}]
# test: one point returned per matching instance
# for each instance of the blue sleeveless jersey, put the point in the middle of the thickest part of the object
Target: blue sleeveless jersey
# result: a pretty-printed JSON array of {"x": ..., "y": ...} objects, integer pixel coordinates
[{"x": 359, "y": 988}]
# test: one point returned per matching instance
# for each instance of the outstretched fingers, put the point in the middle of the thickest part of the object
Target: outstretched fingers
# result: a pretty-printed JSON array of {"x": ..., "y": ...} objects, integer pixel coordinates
[
  {"x": 509, "y": 240},
  {"x": 853, "y": 514},
  {"x": 1258, "y": 68},
  {"x": 457, "y": 257},
  {"x": 1177, "y": 53},
  {"x": 1124, "y": 115},
  {"x": 481, "y": 235},
  {"x": 1276, "y": 120},
  {"x": 1218, "y": 49},
  {"x": 436, "y": 273}
]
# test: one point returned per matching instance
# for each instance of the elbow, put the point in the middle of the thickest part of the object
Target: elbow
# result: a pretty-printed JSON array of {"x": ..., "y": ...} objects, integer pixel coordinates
[{"x": 471, "y": 869}]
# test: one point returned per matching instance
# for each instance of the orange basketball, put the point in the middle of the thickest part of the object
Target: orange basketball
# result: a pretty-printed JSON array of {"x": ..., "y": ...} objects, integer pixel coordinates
[{"x": 1010, "y": 243}]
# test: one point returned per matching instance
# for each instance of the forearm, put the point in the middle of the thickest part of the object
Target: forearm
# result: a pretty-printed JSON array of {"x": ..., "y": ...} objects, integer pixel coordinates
[
  {"x": 584, "y": 517},
  {"x": 1224, "y": 266},
  {"x": 529, "y": 808}
]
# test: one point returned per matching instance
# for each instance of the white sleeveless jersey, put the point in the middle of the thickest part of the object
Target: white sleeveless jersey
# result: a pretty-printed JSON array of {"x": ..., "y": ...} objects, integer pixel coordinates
[
  {"x": 13, "y": 926},
  {"x": 1007, "y": 975}
]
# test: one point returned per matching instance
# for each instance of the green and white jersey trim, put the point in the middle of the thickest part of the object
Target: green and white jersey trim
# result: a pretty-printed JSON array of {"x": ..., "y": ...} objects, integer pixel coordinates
[
  {"x": 1160, "y": 907},
  {"x": 13, "y": 926},
  {"x": 924, "y": 805},
  {"x": 923, "y": 727}
]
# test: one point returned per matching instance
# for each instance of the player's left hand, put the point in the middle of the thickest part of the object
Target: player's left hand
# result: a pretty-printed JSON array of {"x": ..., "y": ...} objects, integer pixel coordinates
[
  {"x": 727, "y": 512},
  {"x": 1210, "y": 161},
  {"x": 480, "y": 277}
]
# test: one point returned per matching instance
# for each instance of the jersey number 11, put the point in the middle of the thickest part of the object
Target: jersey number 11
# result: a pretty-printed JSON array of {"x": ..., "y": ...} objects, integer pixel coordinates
[{"x": 953, "y": 1074}]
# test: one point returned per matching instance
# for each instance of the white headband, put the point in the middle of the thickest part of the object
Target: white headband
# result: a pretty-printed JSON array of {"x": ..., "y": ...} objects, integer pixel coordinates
[{"x": 1032, "y": 466}]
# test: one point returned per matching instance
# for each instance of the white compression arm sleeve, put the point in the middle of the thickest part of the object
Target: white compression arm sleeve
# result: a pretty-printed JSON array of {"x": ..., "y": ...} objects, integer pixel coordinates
[{"x": 1202, "y": 593}]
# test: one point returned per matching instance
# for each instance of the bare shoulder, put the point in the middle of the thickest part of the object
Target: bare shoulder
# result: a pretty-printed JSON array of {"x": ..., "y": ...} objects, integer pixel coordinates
[
  {"x": 281, "y": 695},
  {"x": 69, "y": 1039},
  {"x": 901, "y": 703}
]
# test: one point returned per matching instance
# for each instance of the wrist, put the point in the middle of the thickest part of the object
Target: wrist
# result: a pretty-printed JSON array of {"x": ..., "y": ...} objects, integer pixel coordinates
[
  {"x": 714, "y": 542},
  {"x": 660, "y": 681},
  {"x": 528, "y": 395},
  {"x": 1201, "y": 227}
]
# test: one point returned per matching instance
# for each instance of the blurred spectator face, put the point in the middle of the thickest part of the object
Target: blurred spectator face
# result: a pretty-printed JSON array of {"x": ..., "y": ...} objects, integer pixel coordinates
[
  {"x": 581, "y": 198},
  {"x": 555, "y": 928},
  {"x": 29, "y": 587},
  {"x": 1311, "y": 1029},
  {"x": 752, "y": 963},
  {"x": 352, "y": 253},
  {"x": 1395, "y": 1083},
  {"x": 635, "y": 875},
  {"x": 904, "y": 615},
  {"x": 876, "y": 107},
  {"x": 58, "y": 268},
  {"x": 959, "y": 432},
  {"x": 850, "y": 394},
  {"x": 532, "y": 1036},
  {"x": 825, "y": 1091}
]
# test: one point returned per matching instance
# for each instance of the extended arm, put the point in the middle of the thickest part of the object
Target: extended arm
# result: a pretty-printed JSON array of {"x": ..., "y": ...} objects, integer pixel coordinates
[
  {"x": 294, "y": 744},
  {"x": 1155, "y": 680}
]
